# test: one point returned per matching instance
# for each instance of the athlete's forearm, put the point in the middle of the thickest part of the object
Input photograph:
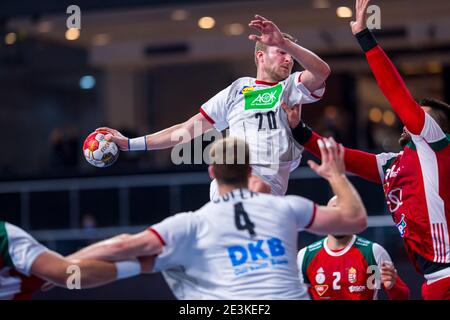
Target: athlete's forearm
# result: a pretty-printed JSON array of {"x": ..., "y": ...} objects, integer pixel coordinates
[
  {"x": 96, "y": 273},
  {"x": 399, "y": 291},
  {"x": 361, "y": 163},
  {"x": 350, "y": 202},
  {"x": 309, "y": 61},
  {"x": 183, "y": 132},
  {"x": 391, "y": 83}
]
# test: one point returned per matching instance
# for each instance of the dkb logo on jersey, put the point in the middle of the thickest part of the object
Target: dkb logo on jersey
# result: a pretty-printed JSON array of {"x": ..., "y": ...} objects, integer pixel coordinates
[
  {"x": 262, "y": 99},
  {"x": 257, "y": 255}
]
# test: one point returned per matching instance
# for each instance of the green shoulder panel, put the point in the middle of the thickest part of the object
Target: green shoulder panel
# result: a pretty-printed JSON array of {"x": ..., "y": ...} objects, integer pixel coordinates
[
  {"x": 310, "y": 253},
  {"x": 441, "y": 144},
  {"x": 5, "y": 259},
  {"x": 366, "y": 248}
]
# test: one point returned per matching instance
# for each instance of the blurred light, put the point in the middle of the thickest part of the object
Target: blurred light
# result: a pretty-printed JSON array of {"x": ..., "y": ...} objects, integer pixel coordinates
[
  {"x": 10, "y": 38},
  {"x": 87, "y": 82},
  {"x": 331, "y": 112},
  {"x": 179, "y": 15},
  {"x": 321, "y": 4},
  {"x": 72, "y": 34},
  {"x": 434, "y": 67},
  {"x": 44, "y": 26},
  {"x": 375, "y": 115},
  {"x": 234, "y": 29},
  {"x": 389, "y": 118},
  {"x": 344, "y": 12},
  {"x": 101, "y": 39},
  {"x": 206, "y": 22}
]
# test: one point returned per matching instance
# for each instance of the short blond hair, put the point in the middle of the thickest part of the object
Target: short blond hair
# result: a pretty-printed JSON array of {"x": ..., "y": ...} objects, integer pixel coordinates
[
  {"x": 230, "y": 158},
  {"x": 259, "y": 46}
]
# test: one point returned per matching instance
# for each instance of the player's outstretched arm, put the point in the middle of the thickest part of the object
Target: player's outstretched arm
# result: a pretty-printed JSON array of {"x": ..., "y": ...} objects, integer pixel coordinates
[
  {"x": 57, "y": 270},
  {"x": 349, "y": 216},
  {"x": 361, "y": 163},
  {"x": 163, "y": 139},
  {"x": 122, "y": 247},
  {"x": 387, "y": 76},
  {"x": 316, "y": 70}
]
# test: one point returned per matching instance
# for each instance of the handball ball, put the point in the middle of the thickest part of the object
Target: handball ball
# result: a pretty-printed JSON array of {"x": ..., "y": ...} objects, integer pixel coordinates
[{"x": 99, "y": 152}]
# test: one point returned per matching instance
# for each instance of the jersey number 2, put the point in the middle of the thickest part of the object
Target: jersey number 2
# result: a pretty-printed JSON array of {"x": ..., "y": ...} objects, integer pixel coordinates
[{"x": 242, "y": 220}]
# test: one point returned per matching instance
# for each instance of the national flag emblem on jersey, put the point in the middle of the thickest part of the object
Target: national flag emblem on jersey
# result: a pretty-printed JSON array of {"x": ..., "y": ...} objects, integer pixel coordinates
[
  {"x": 263, "y": 99},
  {"x": 352, "y": 275},
  {"x": 321, "y": 289}
]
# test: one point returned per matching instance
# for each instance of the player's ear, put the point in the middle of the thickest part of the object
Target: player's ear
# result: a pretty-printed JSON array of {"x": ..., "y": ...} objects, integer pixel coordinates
[
  {"x": 259, "y": 55},
  {"x": 211, "y": 172}
]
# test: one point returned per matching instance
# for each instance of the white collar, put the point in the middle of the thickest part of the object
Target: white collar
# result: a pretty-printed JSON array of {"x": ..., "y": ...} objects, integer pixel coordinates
[{"x": 340, "y": 252}]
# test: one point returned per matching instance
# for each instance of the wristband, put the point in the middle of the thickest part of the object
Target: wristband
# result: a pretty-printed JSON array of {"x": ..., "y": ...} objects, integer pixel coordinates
[
  {"x": 137, "y": 144},
  {"x": 302, "y": 133},
  {"x": 128, "y": 269},
  {"x": 366, "y": 40}
]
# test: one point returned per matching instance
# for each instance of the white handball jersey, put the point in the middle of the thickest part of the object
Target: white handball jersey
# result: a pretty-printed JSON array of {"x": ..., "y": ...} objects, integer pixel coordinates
[
  {"x": 252, "y": 110},
  {"x": 18, "y": 251},
  {"x": 242, "y": 246}
]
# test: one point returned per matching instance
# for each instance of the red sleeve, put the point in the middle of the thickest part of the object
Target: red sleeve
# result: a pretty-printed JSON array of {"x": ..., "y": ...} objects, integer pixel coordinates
[
  {"x": 361, "y": 163},
  {"x": 393, "y": 87},
  {"x": 399, "y": 291}
]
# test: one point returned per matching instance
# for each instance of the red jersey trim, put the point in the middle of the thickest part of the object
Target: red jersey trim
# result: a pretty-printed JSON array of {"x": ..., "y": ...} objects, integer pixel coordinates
[
  {"x": 207, "y": 117},
  {"x": 312, "y": 93},
  {"x": 266, "y": 83},
  {"x": 157, "y": 235},
  {"x": 312, "y": 218}
]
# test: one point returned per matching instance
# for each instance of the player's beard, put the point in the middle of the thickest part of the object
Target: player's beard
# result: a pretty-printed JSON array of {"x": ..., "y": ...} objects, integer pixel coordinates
[
  {"x": 279, "y": 73},
  {"x": 339, "y": 236},
  {"x": 404, "y": 138}
]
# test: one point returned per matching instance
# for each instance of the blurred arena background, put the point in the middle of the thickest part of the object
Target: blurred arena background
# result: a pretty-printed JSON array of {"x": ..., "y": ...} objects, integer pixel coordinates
[{"x": 141, "y": 66}]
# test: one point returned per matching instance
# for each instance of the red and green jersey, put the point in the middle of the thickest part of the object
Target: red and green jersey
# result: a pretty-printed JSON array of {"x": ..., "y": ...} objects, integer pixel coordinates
[
  {"x": 416, "y": 184},
  {"x": 347, "y": 274},
  {"x": 18, "y": 251}
]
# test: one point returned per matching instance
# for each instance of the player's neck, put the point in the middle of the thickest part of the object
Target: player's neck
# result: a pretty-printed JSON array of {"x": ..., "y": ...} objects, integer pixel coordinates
[
  {"x": 225, "y": 188},
  {"x": 338, "y": 244},
  {"x": 263, "y": 76}
]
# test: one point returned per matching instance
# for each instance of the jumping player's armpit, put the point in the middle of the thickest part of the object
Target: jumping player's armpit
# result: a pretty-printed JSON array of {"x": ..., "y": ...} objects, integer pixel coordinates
[{"x": 391, "y": 83}]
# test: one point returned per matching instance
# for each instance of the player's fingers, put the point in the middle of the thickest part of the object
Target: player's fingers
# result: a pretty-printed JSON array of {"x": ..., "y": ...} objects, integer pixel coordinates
[
  {"x": 106, "y": 129},
  {"x": 314, "y": 166},
  {"x": 323, "y": 151},
  {"x": 329, "y": 148},
  {"x": 259, "y": 17},
  {"x": 254, "y": 37}
]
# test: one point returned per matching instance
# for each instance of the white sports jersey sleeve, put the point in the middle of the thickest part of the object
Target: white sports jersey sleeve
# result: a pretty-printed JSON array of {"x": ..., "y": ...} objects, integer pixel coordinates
[
  {"x": 303, "y": 210},
  {"x": 383, "y": 160},
  {"x": 216, "y": 109},
  {"x": 380, "y": 254},
  {"x": 298, "y": 93},
  {"x": 23, "y": 248},
  {"x": 178, "y": 234},
  {"x": 431, "y": 131},
  {"x": 300, "y": 257}
]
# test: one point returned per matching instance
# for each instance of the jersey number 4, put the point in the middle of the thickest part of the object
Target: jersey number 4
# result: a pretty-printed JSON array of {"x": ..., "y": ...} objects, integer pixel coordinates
[{"x": 242, "y": 220}]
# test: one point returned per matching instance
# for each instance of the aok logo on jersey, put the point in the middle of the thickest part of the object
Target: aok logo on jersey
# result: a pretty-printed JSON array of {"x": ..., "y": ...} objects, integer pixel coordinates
[
  {"x": 263, "y": 99},
  {"x": 257, "y": 255}
]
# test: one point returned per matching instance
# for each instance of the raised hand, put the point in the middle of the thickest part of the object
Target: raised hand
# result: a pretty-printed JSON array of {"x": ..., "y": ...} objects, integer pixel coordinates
[
  {"x": 270, "y": 34},
  {"x": 293, "y": 114},
  {"x": 332, "y": 158},
  {"x": 360, "y": 23},
  {"x": 115, "y": 136},
  {"x": 388, "y": 274}
]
